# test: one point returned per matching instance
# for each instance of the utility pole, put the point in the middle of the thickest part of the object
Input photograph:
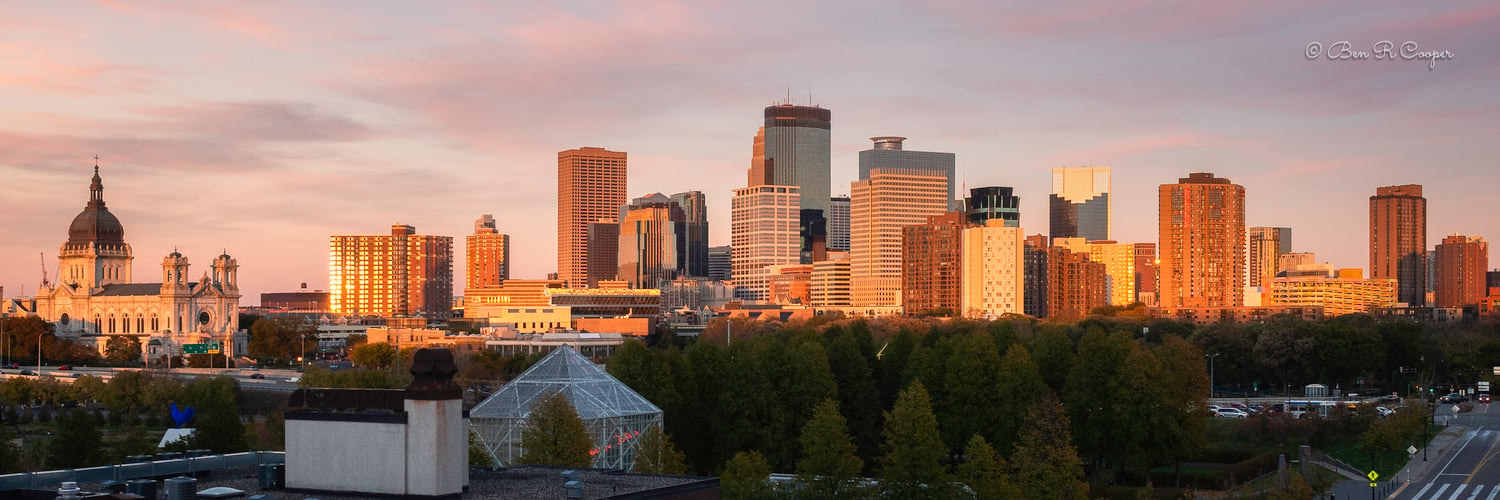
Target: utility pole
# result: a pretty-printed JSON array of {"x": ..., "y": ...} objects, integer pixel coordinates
[{"x": 1211, "y": 372}]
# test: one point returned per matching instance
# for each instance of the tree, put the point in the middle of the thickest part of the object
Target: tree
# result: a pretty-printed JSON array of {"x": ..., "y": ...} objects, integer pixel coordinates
[
  {"x": 1045, "y": 464},
  {"x": 478, "y": 457},
  {"x": 1053, "y": 352},
  {"x": 123, "y": 350},
  {"x": 912, "y": 465},
  {"x": 859, "y": 398},
  {"x": 555, "y": 435},
  {"x": 656, "y": 455},
  {"x": 77, "y": 444},
  {"x": 829, "y": 462},
  {"x": 745, "y": 477},
  {"x": 217, "y": 424},
  {"x": 1020, "y": 383},
  {"x": 1184, "y": 384},
  {"x": 984, "y": 471},
  {"x": 281, "y": 337},
  {"x": 376, "y": 355},
  {"x": 968, "y": 402}
]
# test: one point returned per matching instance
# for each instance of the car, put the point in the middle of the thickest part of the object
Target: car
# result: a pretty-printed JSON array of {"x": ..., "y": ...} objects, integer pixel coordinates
[
  {"x": 257, "y": 375},
  {"x": 1483, "y": 398},
  {"x": 27, "y": 372},
  {"x": 65, "y": 367},
  {"x": 1231, "y": 413},
  {"x": 1452, "y": 397},
  {"x": 14, "y": 366},
  {"x": 1383, "y": 412},
  {"x": 294, "y": 379}
]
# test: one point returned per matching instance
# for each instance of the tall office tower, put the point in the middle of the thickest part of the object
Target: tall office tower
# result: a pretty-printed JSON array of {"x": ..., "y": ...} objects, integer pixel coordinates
[
  {"x": 813, "y": 234},
  {"x": 994, "y": 270},
  {"x": 1202, "y": 231},
  {"x": 1146, "y": 271},
  {"x": 401, "y": 274},
  {"x": 1492, "y": 279},
  {"x": 1119, "y": 266},
  {"x": 590, "y": 188},
  {"x": 1035, "y": 301},
  {"x": 1080, "y": 203},
  {"x": 719, "y": 263},
  {"x": 1431, "y": 275},
  {"x": 993, "y": 202},
  {"x": 603, "y": 256},
  {"x": 763, "y": 234},
  {"x": 897, "y": 188},
  {"x": 1266, "y": 246},
  {"x": 1462, "y": 262},
  {"x": 1075, "y": 284},
  {"x": 650, "y": 241},
  {"x": 693, "y": 246},
  {"x": 792, "y": 149},
  {"x": 930, "y": 260},
  {"x": 487, "y": 255},
  {"x": 838, "y": 224},
  {"x": 1398, "y": 240}
]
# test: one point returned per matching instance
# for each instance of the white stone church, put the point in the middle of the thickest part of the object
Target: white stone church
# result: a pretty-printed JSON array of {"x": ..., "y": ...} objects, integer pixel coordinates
[{"x": 94, "y": 299}]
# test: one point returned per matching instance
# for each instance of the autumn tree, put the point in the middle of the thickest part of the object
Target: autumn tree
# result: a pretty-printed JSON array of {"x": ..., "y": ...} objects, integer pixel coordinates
[
  {"x": 123, "y": 350},
  {"x": 655, "y": 454},
  {"x": 912, "y": 465},
  {"x": 555, "y": 435},
  {"x": 829, "y": 463},
  {"x": 1045, "y": 464}
]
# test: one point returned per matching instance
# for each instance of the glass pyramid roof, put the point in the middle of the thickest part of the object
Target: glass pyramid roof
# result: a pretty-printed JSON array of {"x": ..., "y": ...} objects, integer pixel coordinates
[{"x": 592, "y": 391}]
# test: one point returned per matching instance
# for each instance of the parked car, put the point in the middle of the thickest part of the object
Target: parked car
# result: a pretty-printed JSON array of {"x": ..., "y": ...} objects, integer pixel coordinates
[
  {"x": 1232, "y": 413},
  {"x": 1483, "y": 398}
]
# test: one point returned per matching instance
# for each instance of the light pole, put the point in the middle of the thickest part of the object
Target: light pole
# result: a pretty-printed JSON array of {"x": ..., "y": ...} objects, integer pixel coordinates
[
  {"x": 39, "y": 353},
  {"x": 1211, "y": 372}
]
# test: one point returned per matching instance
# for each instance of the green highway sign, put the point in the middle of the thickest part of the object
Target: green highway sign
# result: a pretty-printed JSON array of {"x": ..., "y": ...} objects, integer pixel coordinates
[{"x": 209, "y": 348}]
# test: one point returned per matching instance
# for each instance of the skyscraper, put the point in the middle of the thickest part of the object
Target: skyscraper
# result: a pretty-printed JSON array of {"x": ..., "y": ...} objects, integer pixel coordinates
[
  {"x": 590, "y": 188},
  {"x": 897, "y": 188},
  {"x": 792, "y": 149},
  {"x": 487, "y": 255},
  {"x": 930, "y": 261},
  {"x": 993, "y": 280},
  {"x": 763, "y": 234},
  {"x": 1202, "y": 231},
  {"x": 1119, "y": 266},
  {"x": 719, "y": 263},
  {"x": 1146, "y": 271},
  {"x": 649, "y": 241},
  {"x": 993, "y": 202},
  {"x": 603, "y": 252},
  {"x": 1398, "y": 240},
  {"x": 838, "y": 223},
  {"x": 1266, "y": 246},
  {"x": 693, "y": 250},
  {"x": 1462, "y": 262},
  {"x": 1036, "y": 296},
  {"x": 1075, "y": 284},
  {"x": 1080, "y": 203},
  {"x": 401, "y": 274}
]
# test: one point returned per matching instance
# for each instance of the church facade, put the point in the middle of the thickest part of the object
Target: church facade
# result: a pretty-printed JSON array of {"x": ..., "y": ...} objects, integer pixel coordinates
[{"x": 95, "y": 298}]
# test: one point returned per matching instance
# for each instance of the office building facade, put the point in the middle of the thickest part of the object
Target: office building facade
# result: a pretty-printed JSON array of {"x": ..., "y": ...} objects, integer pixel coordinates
[
  {"x": 764, "y": 233},
  {"x": 720, "y": 263},
  {"x": 1119, "y": 261},
  {"x": 838, "y": 224},
  {"x": 1267, "y": 244},
  {"x": 693, "y": 245},
  {"x": 1146, "y": 271},
  {"x": 486, "y": 254},
  {"x": 993, "y": 274},
  {"x": 1080, "y": 203},
  {"x": 1075, "y": 284},
  {"x": 1462, "y": 263},
  {"x": 591, "y": 186},
  {"x": 401, "y": 274},
  {"x": 992, "y": 202},
  {"x": 896, "y": 189},
  {"x": 1202, "y": 231},
  {"x": 650, "y": 243},
  {"x": 1398, "y": 240}
]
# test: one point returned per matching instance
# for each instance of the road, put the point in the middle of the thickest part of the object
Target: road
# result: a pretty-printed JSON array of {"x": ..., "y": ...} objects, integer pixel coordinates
[
  {"x": 1471, "y": 469},
  {"x": 274, "y": 380}
]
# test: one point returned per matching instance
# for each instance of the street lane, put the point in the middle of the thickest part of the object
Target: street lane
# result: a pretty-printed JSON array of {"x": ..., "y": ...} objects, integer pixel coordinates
[{"x": 1471, "y": 470}]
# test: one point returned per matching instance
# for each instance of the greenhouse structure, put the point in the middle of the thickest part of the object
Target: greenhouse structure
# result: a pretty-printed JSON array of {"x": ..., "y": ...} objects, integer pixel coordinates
[{"x": 613, "y": 413}]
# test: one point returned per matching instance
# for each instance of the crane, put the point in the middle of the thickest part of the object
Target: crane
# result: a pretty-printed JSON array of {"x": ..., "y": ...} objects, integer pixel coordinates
[{"x": 43, "y": 257}]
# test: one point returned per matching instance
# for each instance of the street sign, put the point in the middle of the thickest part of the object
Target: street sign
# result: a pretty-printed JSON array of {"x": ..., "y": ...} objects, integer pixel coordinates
[
  {"x": 1484, "y": 386},
  {"x": 1372, "y": 475},
  {"x": 1372, "y": 484},
  {"x": 209, "y": 348},
  {"x": 1411, "y": 450},
  {"x": 1454, "y": 408}
]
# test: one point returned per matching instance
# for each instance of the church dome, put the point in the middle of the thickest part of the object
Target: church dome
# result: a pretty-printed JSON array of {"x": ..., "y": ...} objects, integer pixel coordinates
[{"x": 95, "y": 224}]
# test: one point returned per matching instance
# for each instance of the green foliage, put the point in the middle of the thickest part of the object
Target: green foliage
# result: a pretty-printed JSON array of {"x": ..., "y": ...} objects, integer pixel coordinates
[
  {"x": 983, "y": 471},
  {"x": 912, "y": 464},
  {"x": 1020, "y": 384},
  {"x": 829, "y": 462},
  {"x": 1045, "y": 464},
  {"x": 1053, "y": 352},
  {"x": 123, "y": 350},
  {"x": 357, "y": 378},
  {"x": 859, "y": 398},
  {"x": 77, "y": 443},
  {"x": 655, "y": 454},
  {"x": 282, "y": 337},
  {"x": 746, "y": 476},
  {"x": 10, "y": 456},
  {"x": 967, "y": 400},
  {"x": 376, "y": 355},
  {"x": 555, "y": 435},
  {"x": 478, "y": 457},
  {"x": 135, "y": 442},
  {"x": 216, "y": 421}
]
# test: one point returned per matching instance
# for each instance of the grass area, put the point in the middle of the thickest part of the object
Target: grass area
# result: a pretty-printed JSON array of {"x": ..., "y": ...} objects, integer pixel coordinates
[{"x": 1385, "y": 464}]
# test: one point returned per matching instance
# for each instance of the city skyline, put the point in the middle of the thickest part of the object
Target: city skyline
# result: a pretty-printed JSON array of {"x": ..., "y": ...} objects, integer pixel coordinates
[{"x": 262, "y": 130}]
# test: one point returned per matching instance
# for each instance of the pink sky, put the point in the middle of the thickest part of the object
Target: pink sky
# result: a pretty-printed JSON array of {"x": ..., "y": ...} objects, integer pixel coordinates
[{"x": 265, "y": 127}]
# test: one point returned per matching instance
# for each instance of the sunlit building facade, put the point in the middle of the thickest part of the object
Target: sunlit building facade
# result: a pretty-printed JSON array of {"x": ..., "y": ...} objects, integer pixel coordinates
[
  {"x": 401, "y": 274},
  {"x": 1267, "y": 244},
  {"x": 763, "y": 233},
  {"x": 930, "y": 262},
  {"x": 1035, "y": 255},
  {"x": 838, "y": 224},
  {"x": 1075, "y": 284},
  {"x": 591, "y": 186},
  {"x": 1462, "y": 262},
  {"x": 829, "y": 283},
  {"x": 1338, "y": 296},
  {"x": 1119, "y": 261},
  {"x": 486, "y": 254},
  {"x": 650, "y": 243},
  {"x": 992, "y": 202},
  {"x": 1080, "y": 203},
  {"x": 1202, "y": 231},
  {"x": 1398, "y": 240},
  {"x": 993, "y": 275},
  {"x": 896, "y": 188}
]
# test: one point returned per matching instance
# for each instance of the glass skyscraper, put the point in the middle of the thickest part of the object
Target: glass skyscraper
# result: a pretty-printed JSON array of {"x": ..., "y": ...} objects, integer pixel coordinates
[
  {"x": 1080, "y": 203},
  {"x": 993, "y": 202}
]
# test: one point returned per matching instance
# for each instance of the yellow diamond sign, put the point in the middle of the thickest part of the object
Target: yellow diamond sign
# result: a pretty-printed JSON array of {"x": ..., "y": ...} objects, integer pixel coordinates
[{"x": 1372, "y": 475}]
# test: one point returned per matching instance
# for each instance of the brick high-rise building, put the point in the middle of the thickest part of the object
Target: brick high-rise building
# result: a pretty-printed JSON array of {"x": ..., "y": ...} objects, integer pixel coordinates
[
  {"x": 1266, "y": 246},
  {"x": 486, "y": 255},
  {"x": 1146, "y": 271},
  {"x": 1202, "y": 231},
  {"x": 401, "y": 274},
  {"x": 1035, "y": 276},
  {"x": 1119, "y": 266},
  {"x": 994, "y": 270},
  {"x": 1461, "y": 265},
  {"x": 590, "y": 188},
  {"x": 1075, "y": 284},
  {"x": 896, "y": 188},
  {"x": 930, "y": 261},
  {"x": 1080, "y": 203},
  {"x": 1398, "y": 240}
]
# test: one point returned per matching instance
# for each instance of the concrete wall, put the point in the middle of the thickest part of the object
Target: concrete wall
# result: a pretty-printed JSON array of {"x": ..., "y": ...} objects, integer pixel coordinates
[
  {"x": 346, "y": 456},
  {"x": 440, "y": 426}
]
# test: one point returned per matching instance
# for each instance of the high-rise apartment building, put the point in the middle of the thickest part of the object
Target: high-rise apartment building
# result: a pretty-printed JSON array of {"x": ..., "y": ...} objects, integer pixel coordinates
[
  {"x": 590, "y": 188},
  {"x": 693, "y": 245},
  {"x": 1398, "y": 240},
  {"x": 401, "y": 274},
  {"x": 930, "y": 261},
  {"x": 992, "y": 202},
  {"x": 764, "y": 233},
  {"x": 720, "y": 263},
  {"x": 1266, "y": 246},
  {"x": 1202, "y": 231},
  {"x": 994, "y": 270},
  {"x": 838, "y": 224},
  {"x": 486, "y": 255},
  {"x": 1080, "y": 203},
  {"x": 1461, "y": 265},
  {"x": 1119, "y": 266},
  {"x": 1075, "y": 284},
  {"x": 897, "y": 188},
  {"x": 649, "y": 241},
  {"x": 1146, "y": 271},
  {"x": 1035, "y": 255}
]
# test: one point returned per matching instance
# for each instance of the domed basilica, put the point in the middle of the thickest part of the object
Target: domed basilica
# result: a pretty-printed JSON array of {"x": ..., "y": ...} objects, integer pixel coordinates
[{"x": 94, "y": 298}]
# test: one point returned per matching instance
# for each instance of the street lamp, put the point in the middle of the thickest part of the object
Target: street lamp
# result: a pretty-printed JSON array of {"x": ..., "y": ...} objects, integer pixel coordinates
[
  {"x": 1211, "y": 372},
  {"x": 39, "y": 353}
]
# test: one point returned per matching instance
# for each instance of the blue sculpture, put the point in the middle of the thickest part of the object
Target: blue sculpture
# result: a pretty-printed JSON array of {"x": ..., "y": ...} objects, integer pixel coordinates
[{"x": 181, "y": 416}]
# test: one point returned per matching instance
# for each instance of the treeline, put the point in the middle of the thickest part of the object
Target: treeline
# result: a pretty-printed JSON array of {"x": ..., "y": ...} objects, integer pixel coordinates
[{"x": 19, "y": 337}]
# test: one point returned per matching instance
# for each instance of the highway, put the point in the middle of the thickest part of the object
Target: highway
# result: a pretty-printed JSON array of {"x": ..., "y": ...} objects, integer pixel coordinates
[
  {"x": 1469, "y": 470},
  {"x": 274, "y": 379}
]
